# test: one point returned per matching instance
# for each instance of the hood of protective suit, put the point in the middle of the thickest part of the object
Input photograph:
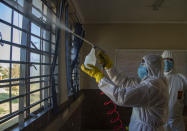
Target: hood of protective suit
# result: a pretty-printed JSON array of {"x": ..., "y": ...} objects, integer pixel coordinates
[
  {"x": 153, "y": 64},
  {"x": 168, "y": 54}
]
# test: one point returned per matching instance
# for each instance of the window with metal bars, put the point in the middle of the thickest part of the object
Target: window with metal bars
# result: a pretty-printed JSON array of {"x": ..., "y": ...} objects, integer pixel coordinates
[{"x": 27, "y": 48}]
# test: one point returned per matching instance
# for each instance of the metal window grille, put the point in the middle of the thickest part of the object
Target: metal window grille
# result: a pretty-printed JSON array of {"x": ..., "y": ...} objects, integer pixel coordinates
[{"x": 27, "y": 47}]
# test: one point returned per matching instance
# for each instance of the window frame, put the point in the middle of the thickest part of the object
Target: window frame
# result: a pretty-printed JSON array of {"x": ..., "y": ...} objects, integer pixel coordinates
[{"x": 25, "y": 82}]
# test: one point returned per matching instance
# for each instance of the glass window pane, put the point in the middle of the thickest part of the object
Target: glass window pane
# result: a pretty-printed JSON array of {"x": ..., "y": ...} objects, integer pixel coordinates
[
  {"x": 15, "y": 105},
  {"x": 35, "y": 29},
  {"x": 3, "y": 83},
  {"x": 46, "y": 34},
  {"x": 54, "y": 18},
  {"x": 35, "y": 42},
  {"x": 36, "y": 107},
  {"x": 18, "y": 71},
  {"x": 4, "y": 109},
  {"x": 46, "y": 46},
  {"x": 45, "y": 59},
  {"x": 5, "y": 50},
  {"x": 36, "y": 13},
  {"x": 35, "y": 70},
  {"x": 19, "y": 37},
  {"x": 4, "y": 71},
  {"x": 20, "y": 21},
  {"x": 4, "y": 93},
  {"x": 57, "y": 60},
  {"x": 5, "y": 16},
  {"x": 56, "y": 70},
  {"x": 52, "y": 48},
  {"x": 5, "y": 31},
  {"x": 18, "y": 54},
  {"x": 56, "y": 79},
  {"x": 53, "y": 38},
  {"x": 15, "y": 88},
  {"x": 20, "y": 2},
  {"x": 46, "y": 82},
  {"x": 45, "y": 69},
  {"x": 53, "y": 28},
  {"x": 34, "y": 97},
  {"x": 45, "y": 10},
  {"x": 34, "y": 79},
  {"x": 35, "y": 57},
  {"x": 34, "y": 86},
  {"x": 52, "y": 56},
  {"x": 37, "y": 4}
]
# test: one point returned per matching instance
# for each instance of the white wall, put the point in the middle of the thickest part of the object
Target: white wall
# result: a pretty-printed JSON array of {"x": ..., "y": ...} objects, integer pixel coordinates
[{"x": 132, "y": 36}]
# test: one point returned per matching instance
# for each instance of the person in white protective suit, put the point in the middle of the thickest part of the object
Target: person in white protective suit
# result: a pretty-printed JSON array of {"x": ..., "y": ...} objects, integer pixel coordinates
[
  {"x": 177, "y": 85},
  {"x": 149, "y": 98}
]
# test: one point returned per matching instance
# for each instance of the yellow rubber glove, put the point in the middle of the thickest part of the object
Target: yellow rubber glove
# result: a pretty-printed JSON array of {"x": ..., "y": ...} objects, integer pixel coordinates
[
  {"x": 127, "y": 128},
  {"x": 104, "y": 60},
  {"x": 94, "y": 72}
]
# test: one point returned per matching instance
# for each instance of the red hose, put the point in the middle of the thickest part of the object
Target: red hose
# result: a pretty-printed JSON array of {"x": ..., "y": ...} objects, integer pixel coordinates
[{"x": 114, "y": 111}]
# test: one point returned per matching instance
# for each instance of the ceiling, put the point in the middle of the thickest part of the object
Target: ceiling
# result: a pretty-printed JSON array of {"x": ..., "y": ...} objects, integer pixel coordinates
[{"x": 132, "y": 11}]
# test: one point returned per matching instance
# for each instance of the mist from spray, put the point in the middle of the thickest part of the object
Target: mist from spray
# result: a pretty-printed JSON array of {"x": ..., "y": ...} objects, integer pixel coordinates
[
  {"x": 57, "y": 22},
  {"x": 61, "y": 25}
]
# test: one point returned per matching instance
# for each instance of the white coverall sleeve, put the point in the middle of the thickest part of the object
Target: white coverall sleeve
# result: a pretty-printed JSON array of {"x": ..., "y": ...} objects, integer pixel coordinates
[
  {"x": 133, "y": 96},
  {"x": 185, "y": 88},
  {"x": 120, "y": 79}
]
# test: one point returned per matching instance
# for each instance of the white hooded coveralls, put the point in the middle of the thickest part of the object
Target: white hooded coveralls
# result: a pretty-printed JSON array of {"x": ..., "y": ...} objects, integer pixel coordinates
[
  {"x": 177, "y": 83},
  {"x": 149, "y": 98}
]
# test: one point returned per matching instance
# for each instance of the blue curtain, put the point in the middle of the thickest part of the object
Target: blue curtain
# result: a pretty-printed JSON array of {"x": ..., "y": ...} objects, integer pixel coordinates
[
  {"x": 75, "y": 49},
  {"x": 72, "y": 51},
  {"x": 77, "y": 44}
]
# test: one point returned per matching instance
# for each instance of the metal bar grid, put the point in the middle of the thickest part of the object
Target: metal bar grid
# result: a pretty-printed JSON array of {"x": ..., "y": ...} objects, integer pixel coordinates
[
  {"x": 18, "y": 79},
  {"x": 50, "y": 61},
  {"x": 17, "y": 84},
  {"x": 27, "y": 78},
  {"x": 41, "y": 60},
  {"x": 10, "y": 64},
  {"x": 28, "y": 70},
  {"x": 25, "y": 47},
  {"x": 22, "y": 95},
  {"x": 43, "y": 15},
  {"x": 23, "y": 30},
  {"x": 20, "y": 10},
  {"x": 23, "y": 62},
  {"x": 9, "y": 116},
  {"x": 45, "y": 2}
]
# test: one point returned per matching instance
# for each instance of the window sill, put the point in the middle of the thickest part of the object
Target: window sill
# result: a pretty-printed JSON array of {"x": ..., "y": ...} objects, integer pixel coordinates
[
  {"x": 43, "y": 117},
  {"x": 31, "y": 120}
]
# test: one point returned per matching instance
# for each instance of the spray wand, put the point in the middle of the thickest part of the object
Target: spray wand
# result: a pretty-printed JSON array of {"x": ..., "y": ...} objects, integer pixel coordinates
[{"x": 86, "y": 41}]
